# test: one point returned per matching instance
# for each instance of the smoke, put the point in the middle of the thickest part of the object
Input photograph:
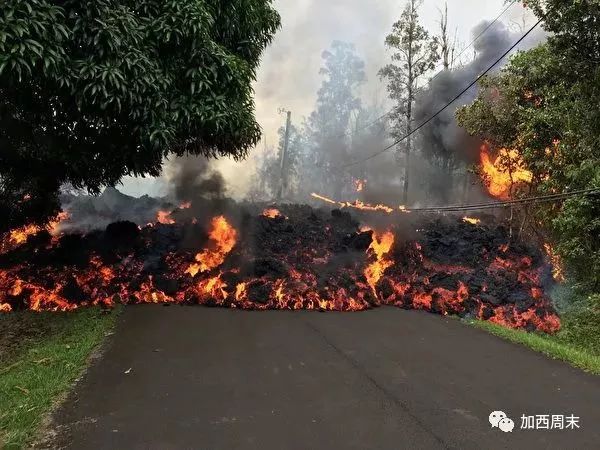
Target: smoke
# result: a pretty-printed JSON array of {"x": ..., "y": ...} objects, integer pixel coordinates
[
  {"x": 192, "y": 177},
  {"x": 443, "y": 135}
]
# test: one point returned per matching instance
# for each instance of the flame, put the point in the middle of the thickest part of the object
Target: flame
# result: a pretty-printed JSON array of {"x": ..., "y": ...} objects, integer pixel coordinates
[
  {"x": 223, "y": 238},
  {"x": 271, "y": 213},
  {"x": 557, "y": 267},
  {"x": 19, "y": 236},
  {"x": 471, "y": 220},
  {"x": 185, "y": 205},
  {"x": 309, "y": 277},
  {"x": 359, "y": 185},
  {"x": 357, "y": 204},
  {"x": 165, "y": 218},
  {"x": 380, "y": 247},
  {"x": 504, "y": 172},
  {"x": 325, "y": 199}
]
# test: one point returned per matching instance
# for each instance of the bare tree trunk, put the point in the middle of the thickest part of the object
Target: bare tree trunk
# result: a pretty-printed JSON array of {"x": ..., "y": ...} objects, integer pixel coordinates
[{"x": 445, "y": 39}]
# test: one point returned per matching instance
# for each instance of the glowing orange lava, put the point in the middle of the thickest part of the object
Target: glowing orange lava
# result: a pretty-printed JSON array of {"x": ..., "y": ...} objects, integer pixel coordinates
[{"x": 271, "y": 213}]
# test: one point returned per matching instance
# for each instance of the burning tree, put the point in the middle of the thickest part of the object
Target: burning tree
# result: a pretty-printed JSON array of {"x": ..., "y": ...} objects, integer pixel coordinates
[
  {"x": 543, "y": 107},
  {"x": 91, "y": 91}
]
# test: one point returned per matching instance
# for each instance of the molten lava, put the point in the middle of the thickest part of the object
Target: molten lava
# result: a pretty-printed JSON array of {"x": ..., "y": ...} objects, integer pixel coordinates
[
  {"x": 271, "y": 213},
  {"x": 310, "y": 260},
  {"x": 503, "y": 173}
]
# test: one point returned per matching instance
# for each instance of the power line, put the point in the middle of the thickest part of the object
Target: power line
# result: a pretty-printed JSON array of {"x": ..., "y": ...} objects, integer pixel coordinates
[
  {"x": 430, "y": 119},
  {"x": 473, "y": 207},
  {"x": 507, "y": 203},
  {"x": 475, "y": 39}
]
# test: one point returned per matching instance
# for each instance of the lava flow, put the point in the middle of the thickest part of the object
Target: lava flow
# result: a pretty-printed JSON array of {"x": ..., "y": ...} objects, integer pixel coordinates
[{"x": 297, "y": 258}]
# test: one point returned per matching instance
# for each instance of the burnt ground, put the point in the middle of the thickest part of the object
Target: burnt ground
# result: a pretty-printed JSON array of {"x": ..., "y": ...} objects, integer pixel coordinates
[{"x": 387, "y": 379}]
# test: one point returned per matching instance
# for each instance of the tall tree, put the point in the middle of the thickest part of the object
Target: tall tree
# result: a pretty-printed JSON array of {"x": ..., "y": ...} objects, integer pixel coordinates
[
  {"x": 544, "y": 104},
  {"x": 415, "y": 53},
  {"x": 92, "y": 90},
  {"x": 329, "y": 124}
]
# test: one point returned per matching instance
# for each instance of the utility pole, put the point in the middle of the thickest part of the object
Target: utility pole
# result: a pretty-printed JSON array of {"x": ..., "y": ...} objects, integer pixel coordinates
[{"x": 284, "y": 157}]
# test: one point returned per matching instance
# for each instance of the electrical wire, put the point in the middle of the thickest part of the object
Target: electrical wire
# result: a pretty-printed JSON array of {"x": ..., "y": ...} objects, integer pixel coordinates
[
  {"x": 447, "y": 105},
  {"x": 475, "y": 39},
  {"x": 484, "y": 206}
]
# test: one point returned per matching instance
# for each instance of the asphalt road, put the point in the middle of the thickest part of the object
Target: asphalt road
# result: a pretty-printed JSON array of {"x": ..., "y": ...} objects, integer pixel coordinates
[{"x": 386, "y": 379}]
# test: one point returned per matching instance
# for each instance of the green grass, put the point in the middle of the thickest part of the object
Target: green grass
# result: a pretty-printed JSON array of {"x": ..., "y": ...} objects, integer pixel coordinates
[
  {"x": 41, "y": 354},
  {"x": 578, "y": 341}
]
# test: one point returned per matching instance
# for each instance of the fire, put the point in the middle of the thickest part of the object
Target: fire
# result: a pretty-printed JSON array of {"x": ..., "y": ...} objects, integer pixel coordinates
[
  {"x": 557, "y": 266},
  {"x": 380, "y": 247},
  {"x": 471, "y": 220},
  {"x": 359, "y": 185},
  {"x": 271, "y": 213},
  {"x": 185, "y": 205},
  {"x": 223, "y": 238},
  {"x": 165, "y": 218},
  {"x": 357, "y": 204},
  {"x": 504, "y": 172},
  {"x": 322, "y": 198},
  {"x": 19, "y": 236},
  {"x": 312, "y": 265}
]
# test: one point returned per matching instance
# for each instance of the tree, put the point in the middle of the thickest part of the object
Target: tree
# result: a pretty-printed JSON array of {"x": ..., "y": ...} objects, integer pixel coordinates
[
  {"x": 544, "y": 105},
  {"x": 269, "y": 166},
  {"x": 414, "y": 54},
  {"x": 91, "y": 91},
  {"x": 329, "y": 124},
  {"x": 447, "y": 47}
]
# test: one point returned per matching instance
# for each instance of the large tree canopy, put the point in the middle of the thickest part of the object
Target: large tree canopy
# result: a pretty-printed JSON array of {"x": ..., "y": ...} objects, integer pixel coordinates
[
  {"x": 545, "y": 105},
  {"x": 92, "y": 90}
]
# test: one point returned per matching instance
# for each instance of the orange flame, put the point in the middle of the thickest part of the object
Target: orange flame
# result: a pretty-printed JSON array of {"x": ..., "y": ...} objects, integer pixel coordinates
[
  {"x": 359, "y": 185},
  {"x": 165, "y": 218},
  {"x": 223, "y": 238},
  {"x": 557, "y": 266},
  {"x": 271, "y": 213},
  {"x": 380, "y": 246},
  {"x": 504, "y": 172}
]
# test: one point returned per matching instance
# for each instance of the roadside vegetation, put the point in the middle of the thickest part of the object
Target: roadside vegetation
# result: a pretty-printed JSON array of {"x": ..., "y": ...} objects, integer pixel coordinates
[
  {"x": 41, "y": 355},
  {"x": 544, "y": 105},
  {"x": 578, "y": 341}
]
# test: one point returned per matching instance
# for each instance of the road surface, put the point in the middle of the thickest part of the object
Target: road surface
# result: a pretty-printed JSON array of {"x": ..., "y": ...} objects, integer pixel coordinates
[{"x": 201, "y": 378}]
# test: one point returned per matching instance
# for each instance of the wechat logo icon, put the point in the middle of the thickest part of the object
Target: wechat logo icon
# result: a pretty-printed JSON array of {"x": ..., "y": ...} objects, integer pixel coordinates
[{"x": 499, "y": 419}]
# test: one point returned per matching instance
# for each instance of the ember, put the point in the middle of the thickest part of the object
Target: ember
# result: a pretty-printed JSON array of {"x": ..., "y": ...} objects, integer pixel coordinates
[
  {"x": 271, "y": 213},
  {"x": 308, "y": 261},
  {"x": 471, "y": 220}
]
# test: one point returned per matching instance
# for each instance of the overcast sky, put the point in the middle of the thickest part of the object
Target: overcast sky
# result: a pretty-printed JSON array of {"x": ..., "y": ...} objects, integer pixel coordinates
[{"x": 289, "y": 74}]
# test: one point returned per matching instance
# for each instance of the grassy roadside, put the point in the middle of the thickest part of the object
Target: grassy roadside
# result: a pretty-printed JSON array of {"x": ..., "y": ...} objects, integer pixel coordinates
[
  {"x": 41, "y": 354},
  {"x": 578, "y": 342}
]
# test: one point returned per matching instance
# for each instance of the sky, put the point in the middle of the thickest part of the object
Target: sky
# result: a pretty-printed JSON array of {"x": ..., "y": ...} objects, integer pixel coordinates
[{"x": 289, "y": 77}]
